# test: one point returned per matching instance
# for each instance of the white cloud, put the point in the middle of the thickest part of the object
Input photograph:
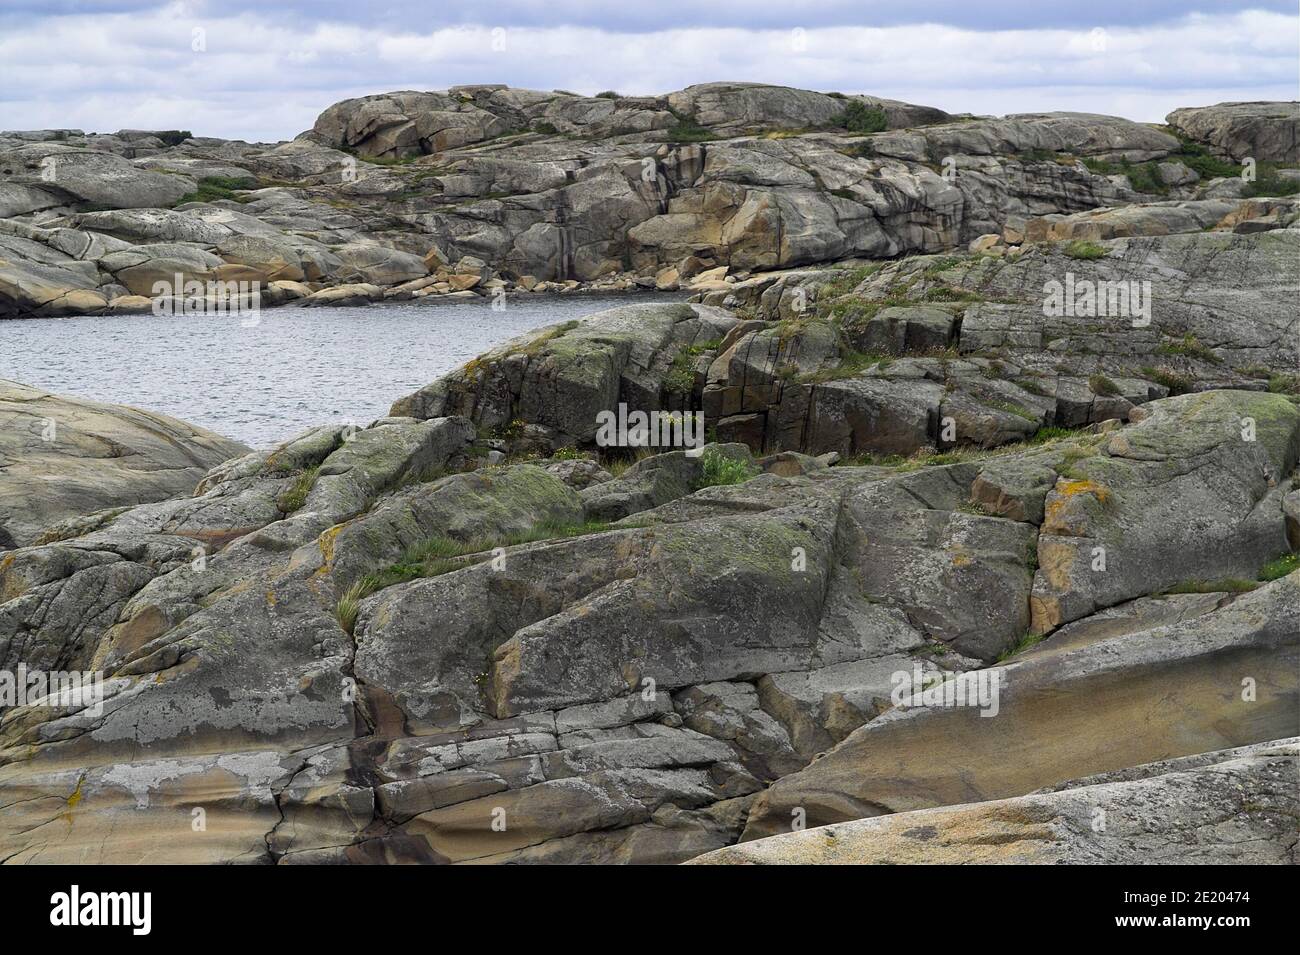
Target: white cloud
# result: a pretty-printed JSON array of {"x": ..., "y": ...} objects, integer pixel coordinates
[{"x": 262, "y": 77}]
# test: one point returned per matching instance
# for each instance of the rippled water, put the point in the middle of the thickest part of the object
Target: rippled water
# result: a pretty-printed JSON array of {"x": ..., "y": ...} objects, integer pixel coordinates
[{"x": 294, "y": 369}]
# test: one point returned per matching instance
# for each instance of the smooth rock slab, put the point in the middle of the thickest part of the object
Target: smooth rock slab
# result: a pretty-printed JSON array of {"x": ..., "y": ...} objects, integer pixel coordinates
[
  {"x": 97, "y": 456},
  {"x": 1232, "y": 807}
]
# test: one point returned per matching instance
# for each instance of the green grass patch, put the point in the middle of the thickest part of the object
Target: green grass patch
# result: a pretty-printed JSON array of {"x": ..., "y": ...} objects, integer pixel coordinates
[
  {"x": 1083, "y": 249},
  {"x": 1177, "y": 383},
  {"x": 1269, "y": 183},
  {"x": 1280, "y": 567},
  {"x": 1284, "y": 384},
  {"x": 688, "y": 130},
  {"x": 1231, "y": 585},
  {"x": 680, "y": 378},
  {"x": 1143, "y": 177},
  {"x": 1100, "y": 166},
  {"x": 946, "y": 293},
  {"x": 721, "y": 470},
  {"x": 942, "y": 264},
  {"x": 216, "y": 188},
  {"x": 295, "y": 496},
  {"x": 1010, "y": 407},
  {"x": 538, "y": 344},
  {"x": 1020, "y": 646},
  {"x": 1101, "y": 385},
  {"x": 1191, "y": 347},
  {"x": 852, "y": 364},
  {"x": 1051, "y": 433}
]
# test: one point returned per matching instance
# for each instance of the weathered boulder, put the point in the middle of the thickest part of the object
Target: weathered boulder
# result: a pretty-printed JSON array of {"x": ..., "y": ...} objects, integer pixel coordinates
[
  {"x": 1262, "y": 131},
  {"x": 64, "y": 457},
  {"x": 563, "y": 378},
  {"x": 1189, "y": 495}
]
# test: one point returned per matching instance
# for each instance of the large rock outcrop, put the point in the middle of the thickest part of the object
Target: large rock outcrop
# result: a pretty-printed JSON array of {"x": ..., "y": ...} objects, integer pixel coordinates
[
  {"x": 996, "y": 517},
  {"x": 416, "y": 193},
  {"x": 1262, "y": 131},
  {"x": 925, "y": 353},
  {"x": 377, "y": 655},
  {"x": 64, "y": 457}
]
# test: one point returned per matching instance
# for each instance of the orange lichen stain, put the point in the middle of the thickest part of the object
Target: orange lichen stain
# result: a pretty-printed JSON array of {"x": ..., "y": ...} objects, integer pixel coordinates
[
  {"x": 270, "y": 598},
  {"x": 1071, "y": 488},
  {"x": 326, "y": 543},
  {"x": 1065, "y": 490}
]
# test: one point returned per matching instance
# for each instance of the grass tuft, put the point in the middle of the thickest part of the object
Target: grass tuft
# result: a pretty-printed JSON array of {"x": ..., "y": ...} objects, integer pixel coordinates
[
  {"x": 1020, "y": 646},
  {"x": 1276, "y": 569},
  {"x": 296, "y": 496},
  {"x": 1083, "y": 249},
  {"x": 722, "y": 470}
]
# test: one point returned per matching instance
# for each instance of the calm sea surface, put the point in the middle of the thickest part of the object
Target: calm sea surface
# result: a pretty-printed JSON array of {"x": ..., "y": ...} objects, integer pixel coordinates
[{"x": 296, "y": 368}]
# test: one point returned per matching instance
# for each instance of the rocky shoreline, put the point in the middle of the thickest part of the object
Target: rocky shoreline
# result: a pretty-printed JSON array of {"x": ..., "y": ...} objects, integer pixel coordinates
[
  {"x": 989, "y": 554},
  {"x": 493, "y": 190}
]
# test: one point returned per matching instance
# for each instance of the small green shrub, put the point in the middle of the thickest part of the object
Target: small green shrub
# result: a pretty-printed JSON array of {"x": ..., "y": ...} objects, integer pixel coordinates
[
  {"x": 722, "y": 470},
  {"x": 688, "y": 130},
  {"x": 858, "y": 117},
  {"x": 1197, "y": 158},
  {"x": 1144, "y": 177}
]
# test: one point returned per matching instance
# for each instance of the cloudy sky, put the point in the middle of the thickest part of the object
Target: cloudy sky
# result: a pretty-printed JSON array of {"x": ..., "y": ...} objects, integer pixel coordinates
[{"x": 259, "y": 70}]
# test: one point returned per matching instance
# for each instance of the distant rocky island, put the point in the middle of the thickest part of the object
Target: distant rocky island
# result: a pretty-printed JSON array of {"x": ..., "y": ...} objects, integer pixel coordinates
[{"x": 987, "y": 552}]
